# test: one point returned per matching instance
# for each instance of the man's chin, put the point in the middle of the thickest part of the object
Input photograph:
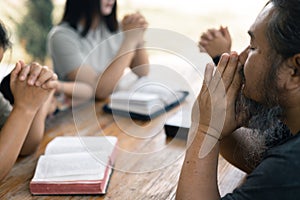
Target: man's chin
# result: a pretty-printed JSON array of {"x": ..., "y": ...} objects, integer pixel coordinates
[
  {"x": 246, "y": 93},
  {"x": 246, "y": 108}
]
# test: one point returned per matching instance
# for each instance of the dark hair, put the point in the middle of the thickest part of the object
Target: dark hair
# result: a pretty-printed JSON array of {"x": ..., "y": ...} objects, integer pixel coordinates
[
  {"x": 75, "y": 10},
  {"x": 283, "y": 30},
  {"x": 4, "y": 39}
]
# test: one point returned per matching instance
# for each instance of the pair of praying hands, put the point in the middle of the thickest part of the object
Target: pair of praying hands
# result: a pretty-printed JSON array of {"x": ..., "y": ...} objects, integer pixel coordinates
[
  {"x": 31, "y": 85},
  {"x": 134, "y": 26},
  {"x": 215, "y": 110},
  {"x": 215, "y": 42}
]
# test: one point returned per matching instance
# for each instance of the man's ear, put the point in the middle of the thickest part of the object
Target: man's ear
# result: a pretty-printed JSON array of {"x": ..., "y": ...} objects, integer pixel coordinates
[
  {"x": 293, "y": 72},
  {"x": 296, "y": 64}
]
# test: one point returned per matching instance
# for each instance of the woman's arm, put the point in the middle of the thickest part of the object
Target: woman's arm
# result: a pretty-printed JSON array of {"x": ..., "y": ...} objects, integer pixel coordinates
[
  {"x": 29, "y": 94},
  {"x": 12, "y": 137},
  {"x": 129, "y": 55},
  {"x": 77, "y": 90},
  {"x": 140, "y": 62},
  {"x": 134, "y": 27},
  {"x": 37, "y": 128},
  {"x": 104, "y": 84}
]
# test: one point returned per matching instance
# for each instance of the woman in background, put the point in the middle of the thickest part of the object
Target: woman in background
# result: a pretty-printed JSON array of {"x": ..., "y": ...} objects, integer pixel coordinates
[{"x": 91, "y": 48}]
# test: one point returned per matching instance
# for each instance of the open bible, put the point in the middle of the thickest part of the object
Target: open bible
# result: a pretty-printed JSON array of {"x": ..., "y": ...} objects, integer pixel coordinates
[
  {"x": 145, "y": 100},
  {"x": 75, "y": 165}
]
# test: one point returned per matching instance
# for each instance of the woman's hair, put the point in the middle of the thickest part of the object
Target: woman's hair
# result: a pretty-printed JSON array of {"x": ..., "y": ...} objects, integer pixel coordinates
[
  {"x": 4, "y": 39},
  {"x": 75, "y": 10},
  {"x": 283, "y": 30}
]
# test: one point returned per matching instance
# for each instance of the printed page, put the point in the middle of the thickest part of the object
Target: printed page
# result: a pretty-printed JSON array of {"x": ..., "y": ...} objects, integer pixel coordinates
[
  {"x": 145, "y": 97},
  {"x": 76, "y": 144},
  {"x": 166, "y": 94},
  {"x": 147, "y": 85},
  {"x": 71, "y": 167},
  {"x": 126, "y": 97}
]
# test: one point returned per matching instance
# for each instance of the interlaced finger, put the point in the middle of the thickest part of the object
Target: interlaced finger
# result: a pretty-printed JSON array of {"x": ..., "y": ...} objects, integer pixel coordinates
[
  {"x": 34, "y": 73},
  {"x": 44, "y": 76},
  {"x": 228, "y": 72},
  {"x": 209, "y": 70},
  {"x": 218, "y": 73},
  {"x": 24, "y": 72}
]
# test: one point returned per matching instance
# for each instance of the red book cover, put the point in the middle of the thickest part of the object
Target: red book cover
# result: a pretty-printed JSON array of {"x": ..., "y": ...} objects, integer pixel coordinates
[{"x": 75, "y": 165}]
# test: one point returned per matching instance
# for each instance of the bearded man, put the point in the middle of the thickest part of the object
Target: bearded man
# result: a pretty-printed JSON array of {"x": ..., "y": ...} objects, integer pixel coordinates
[{"x": 256, "y": 94}]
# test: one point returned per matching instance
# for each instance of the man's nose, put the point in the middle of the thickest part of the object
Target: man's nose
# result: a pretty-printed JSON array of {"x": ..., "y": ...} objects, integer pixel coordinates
[{"x": 244, "y": 55}]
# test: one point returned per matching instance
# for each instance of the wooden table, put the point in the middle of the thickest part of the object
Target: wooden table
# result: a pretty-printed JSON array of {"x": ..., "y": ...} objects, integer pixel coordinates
[
  {"x": 149, "y": 171},
  {"x": 149, "y": 164}
]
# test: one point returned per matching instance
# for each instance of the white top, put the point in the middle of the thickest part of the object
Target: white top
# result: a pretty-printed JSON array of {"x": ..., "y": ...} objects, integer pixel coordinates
[{"x": 69, "y": 50}]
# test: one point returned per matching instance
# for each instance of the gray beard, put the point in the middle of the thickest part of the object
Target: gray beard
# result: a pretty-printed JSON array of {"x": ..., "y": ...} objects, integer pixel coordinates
[{"x": 265, "y": 128}]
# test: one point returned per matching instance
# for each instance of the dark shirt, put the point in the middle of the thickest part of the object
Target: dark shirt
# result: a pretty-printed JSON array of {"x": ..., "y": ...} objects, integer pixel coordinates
[
  {"x": 276, "y": 177},
  {"x": 216, "y": 59},
  {"x": 5, "y": 89}
]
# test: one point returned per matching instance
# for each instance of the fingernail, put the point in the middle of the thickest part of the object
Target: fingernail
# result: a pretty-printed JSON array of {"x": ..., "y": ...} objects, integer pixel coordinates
[
  {"x": 234, "y": 57},
  {"x": 211, "y": 64},
  {"x": 225, "y": 56}
]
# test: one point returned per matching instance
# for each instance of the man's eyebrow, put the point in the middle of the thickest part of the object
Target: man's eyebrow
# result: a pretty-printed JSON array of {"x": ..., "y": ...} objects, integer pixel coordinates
[{"x": 251, "y": 34}]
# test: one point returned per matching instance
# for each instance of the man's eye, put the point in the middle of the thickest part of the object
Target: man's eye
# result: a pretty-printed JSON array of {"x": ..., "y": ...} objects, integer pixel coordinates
[{"x": 252, "y": 48}]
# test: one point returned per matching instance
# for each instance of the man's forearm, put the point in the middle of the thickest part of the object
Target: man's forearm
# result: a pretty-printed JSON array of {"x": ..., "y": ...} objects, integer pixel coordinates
[
  {"x": 236, "y": 147},
  {"x": 198, "y": 178}
]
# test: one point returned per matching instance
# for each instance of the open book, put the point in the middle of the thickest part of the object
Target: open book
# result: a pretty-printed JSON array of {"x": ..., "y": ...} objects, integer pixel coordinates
[
  {"x": 144, "y": 101},
  {"x": 75, "y": 165}
]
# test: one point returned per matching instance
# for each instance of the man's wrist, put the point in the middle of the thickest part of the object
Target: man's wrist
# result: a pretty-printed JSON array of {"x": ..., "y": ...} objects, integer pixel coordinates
[
  {"x": 210, "y": 132},
  {"x": 212, "y": 136}
]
